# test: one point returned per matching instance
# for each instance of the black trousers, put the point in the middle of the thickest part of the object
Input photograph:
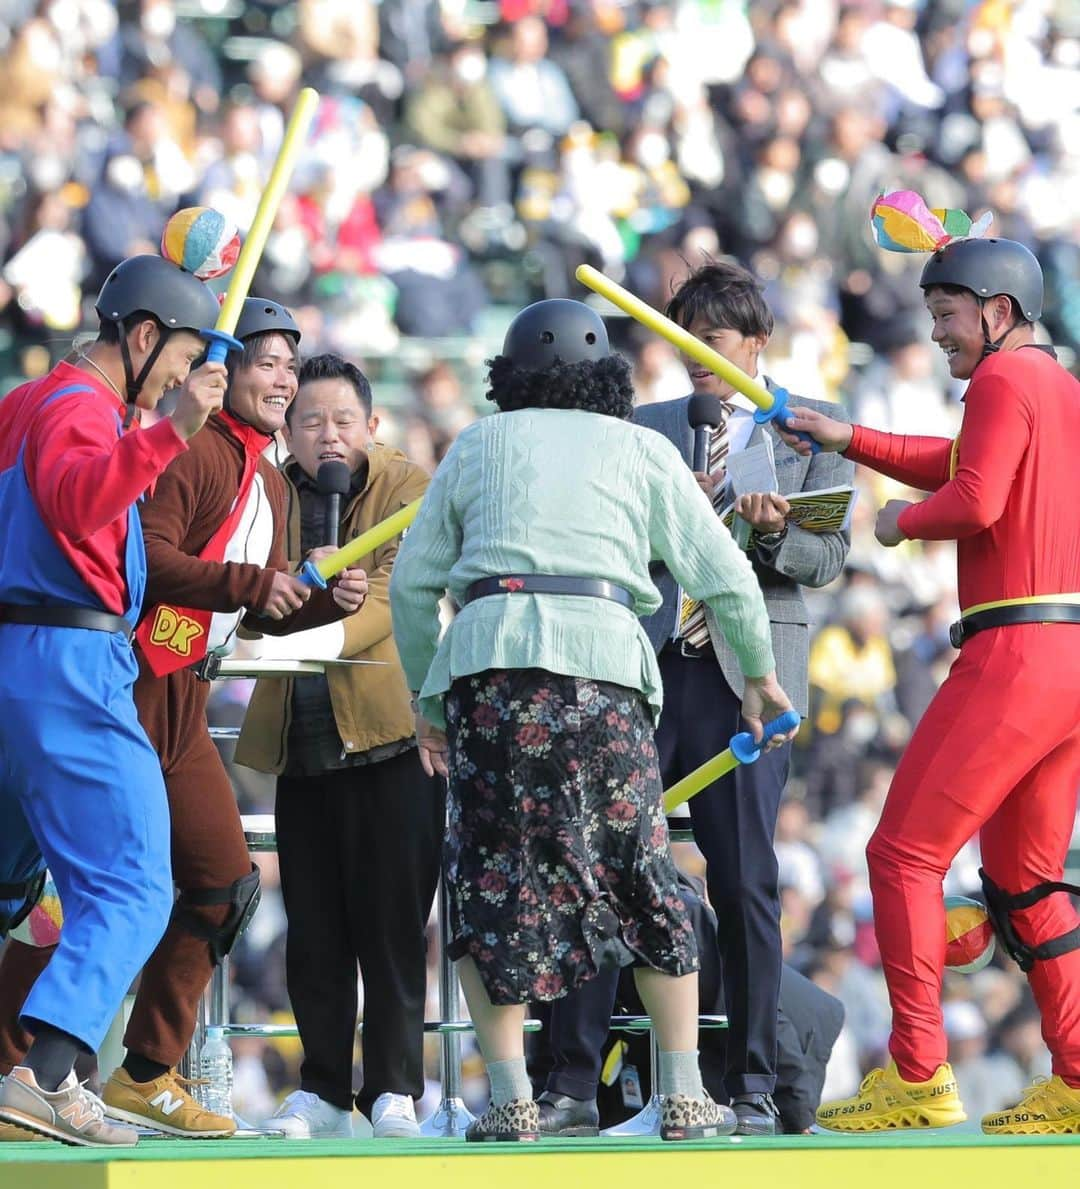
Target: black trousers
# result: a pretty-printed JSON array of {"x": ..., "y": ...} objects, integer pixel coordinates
[
  {"x": 359, "y": 854},
  {"x": 734, "y": 820}
]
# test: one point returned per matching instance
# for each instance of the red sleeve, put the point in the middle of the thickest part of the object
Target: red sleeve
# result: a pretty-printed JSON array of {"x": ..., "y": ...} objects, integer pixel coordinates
[
  {"x": 82, "y": 476},
  {"x": 914, "y": 461},
  {"x": 993, "y": 438}
]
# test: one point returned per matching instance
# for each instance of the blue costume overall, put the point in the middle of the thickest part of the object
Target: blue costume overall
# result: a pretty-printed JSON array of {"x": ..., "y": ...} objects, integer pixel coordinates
[{"x": 80, "y": 786}]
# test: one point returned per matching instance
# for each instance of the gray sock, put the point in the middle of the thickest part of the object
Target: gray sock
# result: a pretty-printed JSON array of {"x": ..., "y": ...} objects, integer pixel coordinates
[
  {"x": 509, "y": 1080},
  {"x": 680, "y": 1073}
]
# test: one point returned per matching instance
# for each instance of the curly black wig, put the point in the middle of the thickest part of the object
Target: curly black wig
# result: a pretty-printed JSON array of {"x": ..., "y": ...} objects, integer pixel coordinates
[{"x": 592, "y": 386}]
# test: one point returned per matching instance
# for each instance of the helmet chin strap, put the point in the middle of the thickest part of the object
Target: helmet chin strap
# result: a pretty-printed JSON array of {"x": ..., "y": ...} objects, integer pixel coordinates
[
  {"x": 991, "y": 346},
  {"x": 132, "y": 383}
]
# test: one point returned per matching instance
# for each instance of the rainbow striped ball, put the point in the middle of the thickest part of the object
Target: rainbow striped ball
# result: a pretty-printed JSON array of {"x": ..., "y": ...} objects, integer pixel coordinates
[
  {"x": 969, "y": 936},
  {"x": 42, "y": 926},
  {"x": 201, "y": 241}
]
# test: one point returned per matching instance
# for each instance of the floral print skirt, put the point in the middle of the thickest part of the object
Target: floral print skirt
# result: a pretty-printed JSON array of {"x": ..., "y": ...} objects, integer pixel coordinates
[{"x": 557, "y": 857}]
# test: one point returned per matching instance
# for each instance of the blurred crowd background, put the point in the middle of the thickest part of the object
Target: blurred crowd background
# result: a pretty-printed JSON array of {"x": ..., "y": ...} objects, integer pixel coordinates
[{"x": 466, "y": 156}]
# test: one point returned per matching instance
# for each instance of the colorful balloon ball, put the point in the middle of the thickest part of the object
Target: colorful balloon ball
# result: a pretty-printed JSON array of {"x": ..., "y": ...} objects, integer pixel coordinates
[
  {"x": 201, "y": 241},
  {"x": 42, "y": 926},
  {"x": 969, "y": 935},
  {"x": 903, "y": 222}
]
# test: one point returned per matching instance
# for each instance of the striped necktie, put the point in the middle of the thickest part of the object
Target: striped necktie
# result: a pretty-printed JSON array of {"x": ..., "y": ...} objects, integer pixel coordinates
[{"x": 692, "y": 626}]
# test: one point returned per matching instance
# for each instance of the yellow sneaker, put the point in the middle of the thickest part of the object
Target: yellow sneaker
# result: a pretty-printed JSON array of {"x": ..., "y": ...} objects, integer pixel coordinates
[
  {"x": 163, "y": 1104},
  {"x": 1048, "y": 1107},
  {"x": 885, "y": 1102}
]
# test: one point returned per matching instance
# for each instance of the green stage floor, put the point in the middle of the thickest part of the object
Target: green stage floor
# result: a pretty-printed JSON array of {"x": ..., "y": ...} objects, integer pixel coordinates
[
  {"x": 920, "y": 1160},
  {"x": 260, "y": 1149}
]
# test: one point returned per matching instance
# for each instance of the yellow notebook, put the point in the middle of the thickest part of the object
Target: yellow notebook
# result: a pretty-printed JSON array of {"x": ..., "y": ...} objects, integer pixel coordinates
[{"x": 827, "y": 510}]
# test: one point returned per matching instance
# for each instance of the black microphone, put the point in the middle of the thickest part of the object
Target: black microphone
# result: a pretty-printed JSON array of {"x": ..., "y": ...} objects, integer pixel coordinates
[
  {"x": 704, "y": 412},
  {"x": 333, "y": 481}
]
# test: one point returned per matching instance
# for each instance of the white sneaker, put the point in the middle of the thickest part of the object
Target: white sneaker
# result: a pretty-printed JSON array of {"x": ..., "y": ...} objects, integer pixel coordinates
[
  {"x": 394, "y": 1117},
  {"x": 304, "y": 1115}
]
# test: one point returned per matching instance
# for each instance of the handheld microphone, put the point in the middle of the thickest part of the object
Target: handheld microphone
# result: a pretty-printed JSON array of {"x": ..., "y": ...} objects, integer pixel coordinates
[
  {"x": 332, "y": 480},
  {"x": 704, "y": 412}
]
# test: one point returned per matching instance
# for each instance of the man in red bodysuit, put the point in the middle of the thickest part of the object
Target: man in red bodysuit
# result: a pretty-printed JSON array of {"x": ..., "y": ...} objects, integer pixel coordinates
[{"x": 998, "y": 751}]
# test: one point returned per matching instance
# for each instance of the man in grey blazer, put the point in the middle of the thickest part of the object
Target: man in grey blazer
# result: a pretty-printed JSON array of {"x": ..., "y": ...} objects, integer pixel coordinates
[
  {"x": 785, "y": 558},
  {"x": 735, "y": 818}
]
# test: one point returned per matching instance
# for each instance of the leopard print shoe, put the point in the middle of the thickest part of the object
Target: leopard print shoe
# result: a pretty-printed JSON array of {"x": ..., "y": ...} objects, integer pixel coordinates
[
  {"x": 517, "y": 1121},
  {"x": 683, "y": 1117}
]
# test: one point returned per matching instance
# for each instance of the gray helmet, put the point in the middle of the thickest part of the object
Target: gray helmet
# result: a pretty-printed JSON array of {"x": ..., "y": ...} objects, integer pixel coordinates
[
  {"x": 555, "y": 330},
  {"x": 261, "y": 316},
  {"x": 179, "y": 300},
  {"x": 988, "y": 267}
]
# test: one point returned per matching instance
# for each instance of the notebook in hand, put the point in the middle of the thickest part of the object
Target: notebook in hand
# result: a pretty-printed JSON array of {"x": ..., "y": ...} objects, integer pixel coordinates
[{"x": 827, "y": 510}]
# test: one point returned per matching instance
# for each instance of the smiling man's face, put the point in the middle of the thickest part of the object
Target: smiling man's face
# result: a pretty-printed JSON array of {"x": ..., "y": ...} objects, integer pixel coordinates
[
  {"x": 957, "y": 329},
  {"x": 329, "y": 423},
  {"x": 261, "y": 391},
  {"x": 173, "y": 365}
]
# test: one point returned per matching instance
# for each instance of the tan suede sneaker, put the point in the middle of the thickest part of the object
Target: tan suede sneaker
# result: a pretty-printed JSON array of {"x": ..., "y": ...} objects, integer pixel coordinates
[
  {"x": 164, "y": 1104},
  {"x": 70, "y": 1114},
  {"x": 10, "y": 1134}
]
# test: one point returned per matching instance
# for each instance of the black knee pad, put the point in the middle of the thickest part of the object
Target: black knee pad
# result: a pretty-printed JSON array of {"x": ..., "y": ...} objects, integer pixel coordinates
[
  {"x": 242, "y": 897},
  {"x": 1001, "y": 904},
  {"x": 29, "y": 892}
]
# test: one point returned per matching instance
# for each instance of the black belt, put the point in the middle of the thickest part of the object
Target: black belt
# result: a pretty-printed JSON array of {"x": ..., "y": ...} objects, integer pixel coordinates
[
  {"x": 67, "y": 617},
  {"x": 555, "y": 584},
  {"x": 1000, "y": 617},
  {"x": 680, "y": 646}
]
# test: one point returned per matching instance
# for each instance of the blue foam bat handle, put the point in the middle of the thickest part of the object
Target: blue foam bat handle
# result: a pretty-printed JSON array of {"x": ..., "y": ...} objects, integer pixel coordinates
[
  {"x": 778, "y": 413},
  {"x": 746, "y": 751},
  {"x": 220, "y": 345},
  {"x": 310, "y": 574}
]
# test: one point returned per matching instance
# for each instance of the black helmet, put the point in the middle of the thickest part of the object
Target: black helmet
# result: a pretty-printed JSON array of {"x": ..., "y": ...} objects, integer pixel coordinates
[
  {"x": 261, "y": 316},
  {"x": 988, "y": 267},
  {"x": 557, "y": 329},
  {"x": 179, "y": 300}
]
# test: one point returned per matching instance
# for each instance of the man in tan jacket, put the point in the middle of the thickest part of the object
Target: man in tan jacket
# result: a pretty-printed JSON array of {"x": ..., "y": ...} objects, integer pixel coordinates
[{"x": 359, "y": 825}]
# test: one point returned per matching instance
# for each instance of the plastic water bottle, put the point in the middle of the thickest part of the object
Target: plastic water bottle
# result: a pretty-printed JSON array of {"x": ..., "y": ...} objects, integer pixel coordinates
[{"x": 216, "y": 1069}]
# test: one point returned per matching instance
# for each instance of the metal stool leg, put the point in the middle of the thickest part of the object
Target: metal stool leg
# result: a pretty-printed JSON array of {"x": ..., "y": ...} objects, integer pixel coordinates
[
  {"x": 451, "y": 1117},
  {"x": 188, "y": 1065},
  {"x": 647, "y": 1120},
  {"x": 218, "y": 1016}
]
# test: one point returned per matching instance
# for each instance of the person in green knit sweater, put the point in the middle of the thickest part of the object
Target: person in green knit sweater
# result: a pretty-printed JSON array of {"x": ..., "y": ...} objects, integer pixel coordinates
[{"x": 539, "y": 702}]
